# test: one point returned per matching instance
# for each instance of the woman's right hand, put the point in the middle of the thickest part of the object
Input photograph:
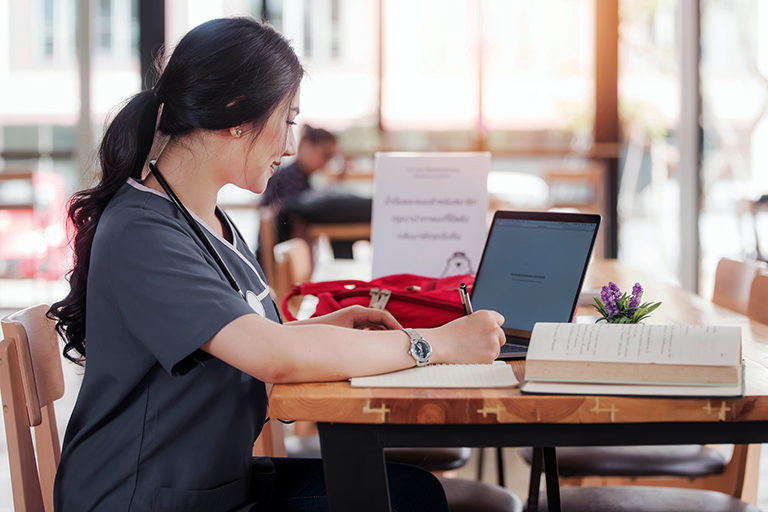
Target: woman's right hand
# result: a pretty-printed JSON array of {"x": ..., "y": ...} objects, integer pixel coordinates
[{"x": 476, "y": 338}]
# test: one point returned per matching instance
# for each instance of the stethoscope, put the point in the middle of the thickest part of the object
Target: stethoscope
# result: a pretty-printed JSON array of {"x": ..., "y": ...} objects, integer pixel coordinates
[{"x": 203, "y": 237}]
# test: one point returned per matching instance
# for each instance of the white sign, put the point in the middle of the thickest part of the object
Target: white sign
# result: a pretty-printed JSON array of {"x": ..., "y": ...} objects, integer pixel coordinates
[{"x": 429, "y": 213}]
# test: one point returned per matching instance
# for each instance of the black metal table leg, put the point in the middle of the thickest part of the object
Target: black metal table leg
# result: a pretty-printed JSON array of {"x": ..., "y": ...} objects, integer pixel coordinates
[
  {"x": 500, "y": 465},
  {"x": 480, "y": 463},
  {"x": 553, "y": 479},
  {"x": 358, "y": 452},
  {"x": 535, "y": 482}
]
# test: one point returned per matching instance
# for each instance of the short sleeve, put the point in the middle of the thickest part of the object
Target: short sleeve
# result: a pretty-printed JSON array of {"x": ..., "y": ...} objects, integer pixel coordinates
[{"x": 169, "y": 292}]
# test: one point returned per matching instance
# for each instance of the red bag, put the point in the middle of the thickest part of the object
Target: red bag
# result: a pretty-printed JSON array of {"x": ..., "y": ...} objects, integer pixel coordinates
[{"x": 415, "y": 301}]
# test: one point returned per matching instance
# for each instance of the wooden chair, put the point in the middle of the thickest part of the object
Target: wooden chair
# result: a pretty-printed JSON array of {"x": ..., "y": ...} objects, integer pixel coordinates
[
  {"x": 292, "y": 264},
  {"x": 351, "y": 231},
  {"x": 686, "y": 466},
  {"x": 733, "y": 281},
  {"x": 31, "y": 379},
  {"x": 645, "y": 499},
  {"x": 591, "y": 179},
  {"x": 267, "y": 241},
  {"x": 21, "y": 175},
  {"x": 757, "y": 308}
]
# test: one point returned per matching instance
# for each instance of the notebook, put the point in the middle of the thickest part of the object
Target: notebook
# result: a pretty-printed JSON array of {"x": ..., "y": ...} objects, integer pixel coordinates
[
  {"x": 496, "y": 375},
  {"x": 532, "y": 270}
]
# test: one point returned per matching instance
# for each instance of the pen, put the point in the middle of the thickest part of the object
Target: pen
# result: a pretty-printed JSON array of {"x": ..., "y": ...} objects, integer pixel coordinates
[{"x": 465, "y": 299}]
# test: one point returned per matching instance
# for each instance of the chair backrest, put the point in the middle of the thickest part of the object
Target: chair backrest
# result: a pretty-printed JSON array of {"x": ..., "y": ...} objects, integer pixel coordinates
[
  {"x": 31, "y": 379},
  {"x": 271, "y": 441},
  {"x": 293, "y": 264},
  {"x": 733, "y": 282},
  {"x": 267, "y": 240},
  {"x": 757, "y": 308}
]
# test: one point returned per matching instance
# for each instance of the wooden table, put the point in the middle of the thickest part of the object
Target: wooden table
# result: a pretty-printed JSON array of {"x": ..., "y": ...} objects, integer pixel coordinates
[{"x": 355, "y": 424}]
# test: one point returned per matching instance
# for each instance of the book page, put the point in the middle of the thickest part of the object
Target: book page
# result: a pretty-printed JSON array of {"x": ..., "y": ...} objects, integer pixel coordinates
[
  {"x": 560, "y": 388},
  {"x": 496, "y": 375},
  {"x": 706, "y": 345}
]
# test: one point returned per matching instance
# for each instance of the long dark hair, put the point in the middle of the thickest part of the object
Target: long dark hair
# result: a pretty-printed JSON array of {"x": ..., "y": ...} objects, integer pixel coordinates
[{"x": 224, "y": 73}]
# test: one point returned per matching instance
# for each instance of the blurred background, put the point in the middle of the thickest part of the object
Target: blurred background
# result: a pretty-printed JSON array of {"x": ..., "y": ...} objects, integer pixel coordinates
[{"x": 650, "y": 112}]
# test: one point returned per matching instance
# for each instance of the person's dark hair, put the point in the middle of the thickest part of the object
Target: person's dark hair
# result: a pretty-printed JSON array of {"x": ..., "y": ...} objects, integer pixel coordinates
[
  {"x": 224, "y": 73},
  {"x": 317, "y": 135}
]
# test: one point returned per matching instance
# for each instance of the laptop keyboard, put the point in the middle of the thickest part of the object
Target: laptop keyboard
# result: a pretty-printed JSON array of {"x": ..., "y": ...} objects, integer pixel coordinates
[{"x": 509, "y": 348}]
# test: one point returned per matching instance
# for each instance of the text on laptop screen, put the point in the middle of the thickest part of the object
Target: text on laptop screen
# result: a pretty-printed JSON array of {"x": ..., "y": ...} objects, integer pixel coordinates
[{"x": 532, "y": 270}]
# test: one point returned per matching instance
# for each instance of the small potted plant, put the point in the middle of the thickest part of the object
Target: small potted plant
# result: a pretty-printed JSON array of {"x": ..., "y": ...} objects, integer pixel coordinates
[{"x": 616, "y": 307}]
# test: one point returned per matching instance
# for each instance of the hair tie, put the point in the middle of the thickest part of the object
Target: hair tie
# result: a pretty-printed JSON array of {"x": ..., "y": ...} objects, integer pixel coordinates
[{"x": 154, "y": 93}]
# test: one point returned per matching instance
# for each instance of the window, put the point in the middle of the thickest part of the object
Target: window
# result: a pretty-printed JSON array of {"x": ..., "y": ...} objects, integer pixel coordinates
[
  {"x": 116, "y": 29},
  {"x": 56, "y": 30},
  {"x": 268, "y": 10}
]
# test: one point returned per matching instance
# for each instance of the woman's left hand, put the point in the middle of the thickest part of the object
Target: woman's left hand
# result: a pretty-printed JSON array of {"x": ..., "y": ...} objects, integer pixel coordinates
[{"x": 356, "y": 317}]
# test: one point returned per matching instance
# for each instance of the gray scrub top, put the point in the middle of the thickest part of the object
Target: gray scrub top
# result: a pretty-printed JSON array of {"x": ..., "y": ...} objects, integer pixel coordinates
[{"x": 159, "y": 424}]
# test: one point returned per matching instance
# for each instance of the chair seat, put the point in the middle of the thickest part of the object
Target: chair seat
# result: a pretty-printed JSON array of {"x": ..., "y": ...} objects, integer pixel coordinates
[
  {"x": 688, "y": 461},
  {"x": 645, "y": 499},
  {"x": 473, "y": 496},
  {"x": 431, "y": 459}
]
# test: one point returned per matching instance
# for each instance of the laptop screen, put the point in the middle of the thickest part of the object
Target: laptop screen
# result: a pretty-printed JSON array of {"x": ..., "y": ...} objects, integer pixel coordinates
[{"x": 533, "y": 267}]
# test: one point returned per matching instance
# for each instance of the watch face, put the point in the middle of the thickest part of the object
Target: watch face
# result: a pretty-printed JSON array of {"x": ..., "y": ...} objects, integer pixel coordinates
[{"x": 421, "y": 349}]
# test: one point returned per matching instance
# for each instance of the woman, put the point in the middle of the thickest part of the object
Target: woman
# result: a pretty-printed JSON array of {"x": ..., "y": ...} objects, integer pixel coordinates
[{"x": 173, "y": 394}]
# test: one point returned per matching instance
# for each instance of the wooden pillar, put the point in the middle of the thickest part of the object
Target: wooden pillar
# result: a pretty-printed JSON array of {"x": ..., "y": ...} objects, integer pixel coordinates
[
  {"x": 151, "y": 37},
  {"x": 85, "y": 144},
  {"x": 690, "y": 145},
  {"x": 382, "y": 56},
  {"x": 607, "y": 131}
]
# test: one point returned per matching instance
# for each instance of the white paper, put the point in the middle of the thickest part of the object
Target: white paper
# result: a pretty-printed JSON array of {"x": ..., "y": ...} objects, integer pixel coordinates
[
  {"x": 705, "y": 345},
  {"x": 568, "y": 388},
  {"x": 495, "y": 375},
  {"x": 429, "y": 213}
]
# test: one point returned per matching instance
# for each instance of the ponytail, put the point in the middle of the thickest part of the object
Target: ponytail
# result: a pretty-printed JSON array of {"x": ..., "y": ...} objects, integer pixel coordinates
[
  {"x": 122, "y": 153},
  {"x": 223, "y": 73}
]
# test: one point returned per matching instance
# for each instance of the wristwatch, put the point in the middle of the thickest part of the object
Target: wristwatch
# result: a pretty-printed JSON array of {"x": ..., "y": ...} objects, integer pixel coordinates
[{"x": 421, "y": 350}]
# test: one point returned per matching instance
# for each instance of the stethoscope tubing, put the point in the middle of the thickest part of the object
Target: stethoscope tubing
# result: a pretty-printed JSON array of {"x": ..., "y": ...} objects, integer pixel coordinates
[
  {"x": 203, "y": 237},
  {"x": 196, "y": 228}
]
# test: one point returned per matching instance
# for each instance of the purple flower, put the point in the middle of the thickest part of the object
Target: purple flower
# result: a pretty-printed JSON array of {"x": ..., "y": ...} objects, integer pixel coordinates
[
  {"x": 637, "y": 292},
  {"x": 615, "y": 290},
  {"x": 618, "y": 307},
  {"x": 605, "y": 294},
  {"x": 608, "y": 296}
]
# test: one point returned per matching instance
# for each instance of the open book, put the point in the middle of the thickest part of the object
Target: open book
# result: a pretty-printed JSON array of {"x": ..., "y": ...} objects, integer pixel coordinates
[{"x": 625, "y": 359}]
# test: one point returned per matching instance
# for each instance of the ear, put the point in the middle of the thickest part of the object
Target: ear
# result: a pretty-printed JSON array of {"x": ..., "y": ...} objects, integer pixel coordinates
[{"x": 236, "y": 131}]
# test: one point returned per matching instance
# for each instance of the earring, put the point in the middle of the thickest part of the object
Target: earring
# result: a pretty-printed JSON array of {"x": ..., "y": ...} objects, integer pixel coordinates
[{"x": 236, "y": 132}]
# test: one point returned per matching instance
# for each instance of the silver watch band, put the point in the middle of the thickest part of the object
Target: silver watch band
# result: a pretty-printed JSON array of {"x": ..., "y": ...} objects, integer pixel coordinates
[{"x": 420, "y": 348}]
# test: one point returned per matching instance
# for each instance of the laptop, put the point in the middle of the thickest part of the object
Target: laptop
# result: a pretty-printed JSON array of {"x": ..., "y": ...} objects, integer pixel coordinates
[{"x": 532, "y": 270}]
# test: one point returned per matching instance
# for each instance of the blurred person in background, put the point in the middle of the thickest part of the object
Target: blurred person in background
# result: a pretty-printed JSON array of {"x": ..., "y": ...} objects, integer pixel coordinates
[
  {"x": 296, "y": 204},
  {"x": 316, "y": 148}
]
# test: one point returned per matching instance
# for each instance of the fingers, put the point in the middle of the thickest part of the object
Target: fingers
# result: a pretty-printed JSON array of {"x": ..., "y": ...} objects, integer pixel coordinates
[
  {"x": 476, "y": 338},
  {"x": 492, "y": 320},
  {"x": 490, "y": 323},
  {"x": 369, "y": 317},
  {"x": 497, "y": 317}
]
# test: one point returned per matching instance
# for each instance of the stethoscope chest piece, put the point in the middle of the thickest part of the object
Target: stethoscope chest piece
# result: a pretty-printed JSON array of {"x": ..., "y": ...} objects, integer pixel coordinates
[{"x": 255, "y": 303}]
